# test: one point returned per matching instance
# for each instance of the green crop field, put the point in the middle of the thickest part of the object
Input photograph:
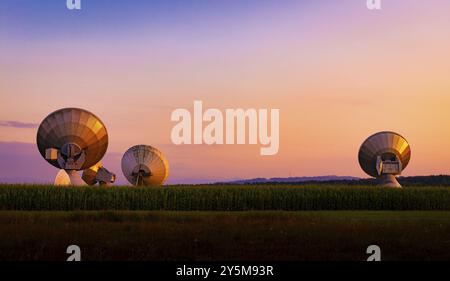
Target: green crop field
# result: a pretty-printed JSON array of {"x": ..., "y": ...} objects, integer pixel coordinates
[
  {"x": 224, "y": 222},
  {"x": 223, "y": 198}
]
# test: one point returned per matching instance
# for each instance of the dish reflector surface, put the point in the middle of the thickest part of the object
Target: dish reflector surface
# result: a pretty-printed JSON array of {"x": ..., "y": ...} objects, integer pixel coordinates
[
  {"x": 383, "y": 144},
  {"x": 71, "y": 130},
  {"x": 145, "y": 165}
]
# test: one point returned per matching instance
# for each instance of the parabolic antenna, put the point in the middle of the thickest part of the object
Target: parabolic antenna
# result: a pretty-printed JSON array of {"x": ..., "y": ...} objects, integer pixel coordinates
[
  {"x": 385, "y": 155},
  {"x": 72, "y": 139},
  {"x": 98, "y": 174},
  {"x": 62, "y": 178},
  {"x": 145, "y": 165}
]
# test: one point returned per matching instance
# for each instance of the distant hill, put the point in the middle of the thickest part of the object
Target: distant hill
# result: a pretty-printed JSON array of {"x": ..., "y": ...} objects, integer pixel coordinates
[
  {"x": 438, "y": 180},
  {"x": 434, "y": 180},
  {"x": 294, "y": 180}
]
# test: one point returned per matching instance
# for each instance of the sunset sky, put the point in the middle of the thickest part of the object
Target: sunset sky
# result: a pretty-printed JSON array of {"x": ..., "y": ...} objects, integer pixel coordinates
[{"x": 337, "y": 71}]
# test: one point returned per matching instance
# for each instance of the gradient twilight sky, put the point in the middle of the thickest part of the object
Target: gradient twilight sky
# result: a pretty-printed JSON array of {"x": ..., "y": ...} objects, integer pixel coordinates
[{"x": 337, "y": 71}]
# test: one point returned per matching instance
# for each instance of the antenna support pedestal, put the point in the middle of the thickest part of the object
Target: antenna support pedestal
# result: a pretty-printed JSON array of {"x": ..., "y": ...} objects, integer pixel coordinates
[{"x": 389, "y": 180}]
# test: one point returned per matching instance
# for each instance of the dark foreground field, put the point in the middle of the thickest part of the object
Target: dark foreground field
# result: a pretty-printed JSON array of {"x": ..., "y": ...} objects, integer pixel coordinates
[
  {"x": 207, "y": 235},
  {"x": 224, "y": 222}
]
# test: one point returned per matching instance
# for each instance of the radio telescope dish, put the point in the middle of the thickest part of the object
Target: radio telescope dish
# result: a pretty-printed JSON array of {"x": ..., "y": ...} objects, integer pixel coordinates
[
  {"x": 385, "y": 155},
  {"x": 145, "y": 165},
  {"x": 98, "y": 174},
  {"x": 72, "y": 139},
  {"x": 62, "y": 178}
]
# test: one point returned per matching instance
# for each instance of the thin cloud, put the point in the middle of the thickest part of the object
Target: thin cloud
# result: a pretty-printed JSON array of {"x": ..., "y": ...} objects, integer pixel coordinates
[{"x": 17, "y": 124}]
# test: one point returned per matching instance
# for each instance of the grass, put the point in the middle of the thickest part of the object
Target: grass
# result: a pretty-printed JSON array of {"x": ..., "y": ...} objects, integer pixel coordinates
[
  {"x": 224, "y": 222},
  {"x": 225, "y": 236},
  {"x": 223, "y": 198}
]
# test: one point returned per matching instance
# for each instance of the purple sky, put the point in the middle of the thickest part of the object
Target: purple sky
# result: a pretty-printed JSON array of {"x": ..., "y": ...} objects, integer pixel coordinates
[{"x": 337, "y": 71}]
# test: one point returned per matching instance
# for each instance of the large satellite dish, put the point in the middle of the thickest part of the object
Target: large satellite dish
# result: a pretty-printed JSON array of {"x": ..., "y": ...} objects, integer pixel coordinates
[
  {"x": 385, "y": 155},
  {"x": 145, "y": 165},
  {"x": 72, "y": 139},
  {"x": 98, "y": 174}
]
